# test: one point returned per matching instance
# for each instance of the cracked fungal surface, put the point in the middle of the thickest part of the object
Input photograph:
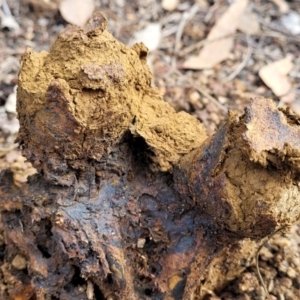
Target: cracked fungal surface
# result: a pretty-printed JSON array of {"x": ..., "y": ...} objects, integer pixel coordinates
[
  {"x": 252, "y": 185},
  {"x": 87, "y": 92}
]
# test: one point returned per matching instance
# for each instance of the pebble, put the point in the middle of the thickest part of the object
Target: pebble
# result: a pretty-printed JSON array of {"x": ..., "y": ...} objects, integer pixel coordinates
[
  {"x": 222, "y": 99},
  {"x": 265, "y": 254},
  {"x": 215, "y": 117},
  {"x": 291, "y": 272},
  {"x": 141, "y": 243},
  {"x": 11, "y": 102},
  {"x": 19, "y": 262},
  {"x": 285, "y": 281},
  {"x": 170, "y": 4}
]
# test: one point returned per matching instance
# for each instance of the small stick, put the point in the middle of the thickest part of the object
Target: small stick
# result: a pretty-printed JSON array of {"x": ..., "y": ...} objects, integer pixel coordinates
[
  {"x": 242, "y": 65},
  {"x": 202, "y": 43},
  {"x": 256, "y": 262},
  {"x": 185, "y": 17}
]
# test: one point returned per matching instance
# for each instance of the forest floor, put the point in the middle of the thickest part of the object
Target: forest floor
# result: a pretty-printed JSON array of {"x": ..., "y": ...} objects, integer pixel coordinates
[{"x": 259, "y": 56}]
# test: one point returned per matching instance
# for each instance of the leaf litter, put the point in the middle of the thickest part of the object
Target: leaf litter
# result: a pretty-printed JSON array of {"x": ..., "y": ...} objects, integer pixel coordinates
[{"x": 221, "y": 39}]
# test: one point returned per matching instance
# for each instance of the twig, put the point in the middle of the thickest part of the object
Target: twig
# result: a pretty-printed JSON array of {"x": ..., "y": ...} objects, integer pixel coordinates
[
  {"x": 274, "y": 27},
  {"x": 211, "y": 11},
  {"x": 256, "y": 262},
  {"x": 5, "y": 7},
  {"x": 185, "y": 17},
  {"x": 202, "y": 43},
  {"x": 169, "y": 31},
  {"x": 279, "y": 35},
  {"x": 211, "y": 98},
  {"x": 173, "y": 18},
  {"x": 242, "y": 65}
]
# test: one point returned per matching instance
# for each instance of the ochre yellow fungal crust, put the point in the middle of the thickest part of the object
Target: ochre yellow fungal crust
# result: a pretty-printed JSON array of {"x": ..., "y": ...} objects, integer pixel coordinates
[{"x": 87, "y": 92}]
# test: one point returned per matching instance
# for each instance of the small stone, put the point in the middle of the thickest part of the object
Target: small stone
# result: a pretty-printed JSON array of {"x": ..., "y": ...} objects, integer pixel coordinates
[
  {"x": 248, "y": 282},
  {"x": 205, "y": 100},
  {"x": 90, "y": 290},
  {"x": 194, "y": 97},
  {"x": 285, "y": 281},
  {"x": 169, "y": 4},
  {"x": 271, "y": 285},
  {"x": 43, "y": 22},
  {"x": 11, "y": 102},
  {"x": 265, "y": 254},
  {"x": 283, "y": 266},
  {"x": 141, "y": 243},
  {"x": 211, "y": 107},
  {"x": 291, "y": 272},
  {"x": 215, "y": 117},
  {"x": 283, "y": 242},
  {"x": 222, "y": 99},
  {"x": 19, "y": 262}
]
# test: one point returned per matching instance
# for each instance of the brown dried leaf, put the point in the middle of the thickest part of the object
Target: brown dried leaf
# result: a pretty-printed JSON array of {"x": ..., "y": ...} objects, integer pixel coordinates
[
  {"x": 275, "y": 77},
  {"x": 77, "y": 12},
  {"x": 217, "y": 51},
  {"x": 282, "y": 5},
  {"x": 249, "y": 24},
  {"x": 289, "y": 97}
]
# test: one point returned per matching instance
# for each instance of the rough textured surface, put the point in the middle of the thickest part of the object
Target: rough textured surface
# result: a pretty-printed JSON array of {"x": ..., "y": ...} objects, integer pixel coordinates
[
  {"x": 85, "y": 94},
  {"x": 103, "y": 219},
  {"x": 253, "y": 198},
  {"x": 282, "y": 139}
]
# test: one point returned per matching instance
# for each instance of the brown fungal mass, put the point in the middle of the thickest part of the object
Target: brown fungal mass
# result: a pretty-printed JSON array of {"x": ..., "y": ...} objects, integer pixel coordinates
[
  {"x": 253, "y": 176},
  {"x": 97, "y": 214},
  {"x": 90, "y": 90}
]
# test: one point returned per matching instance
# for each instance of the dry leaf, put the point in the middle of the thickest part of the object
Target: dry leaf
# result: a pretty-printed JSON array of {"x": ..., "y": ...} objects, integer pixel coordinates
[
  {"x": 282, "y": 5},
  {"x": 275, "y": 74},
  {"x": 289, "y": 97},
  {"x": 295, "y": 106},
  {"x": 249, "y": 24},
  {"x": 11, "y": 102},
  {"x": 77, "y": 12},
  {"x": 217, "y": 51}
]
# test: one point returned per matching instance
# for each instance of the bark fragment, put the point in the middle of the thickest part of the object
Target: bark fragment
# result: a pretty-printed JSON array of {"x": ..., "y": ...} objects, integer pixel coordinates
[{"x": 132, "y": 200}]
